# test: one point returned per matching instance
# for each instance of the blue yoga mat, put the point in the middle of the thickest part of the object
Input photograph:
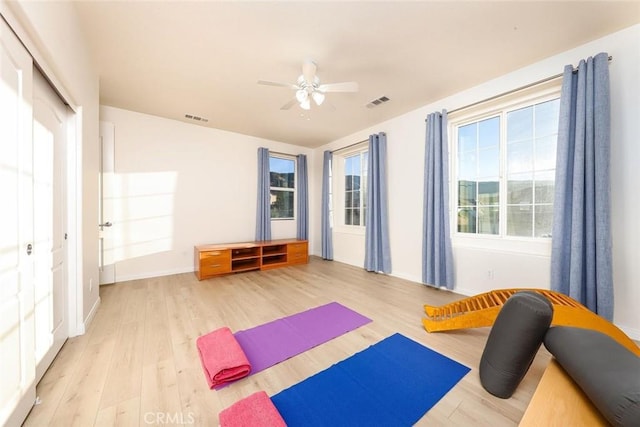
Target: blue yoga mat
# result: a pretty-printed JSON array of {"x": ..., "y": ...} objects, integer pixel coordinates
[{"x": 392, "y": 383}]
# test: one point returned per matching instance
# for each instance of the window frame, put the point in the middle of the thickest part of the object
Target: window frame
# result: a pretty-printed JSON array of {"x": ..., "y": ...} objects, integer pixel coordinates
[
  {"x": 293, "y": 190},
  {"x": 338, "y": 189},
  {"x": 499, "y": 106}
]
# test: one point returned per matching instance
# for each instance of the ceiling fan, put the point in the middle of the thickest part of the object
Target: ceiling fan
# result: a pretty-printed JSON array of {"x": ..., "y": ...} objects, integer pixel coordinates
[{"x": 308, "y": 87}]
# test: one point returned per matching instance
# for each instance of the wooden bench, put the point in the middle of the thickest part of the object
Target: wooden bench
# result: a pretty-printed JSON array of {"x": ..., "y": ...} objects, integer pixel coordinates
[{"x": 558, "y": 401}]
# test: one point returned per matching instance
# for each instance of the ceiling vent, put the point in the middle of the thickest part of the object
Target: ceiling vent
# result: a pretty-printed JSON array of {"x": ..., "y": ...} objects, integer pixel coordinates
[
  {"x": 196, "y": 118},
  {"x": 377, "y": 102}
]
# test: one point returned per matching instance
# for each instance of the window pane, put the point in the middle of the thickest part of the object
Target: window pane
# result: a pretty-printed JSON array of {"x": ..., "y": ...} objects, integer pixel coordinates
[
  {"x": 467, "y": 166},
  {"x": 488, "y": 192},
  {"x": 356, "y": 216},
  {"x": 281, "y": 204},
  {"x": 467, "y": 137},
  {"x": 520, "y": 189},
  {"x": 488, "y": 220},
  {"x": 348, "y": 166},
  {"x": 355, "y": 167},
  {"x": 544, "y": 221},
  {"x": 282, "y": 172},
  {"x": 520, "y": 157},
  {"x": 364, "y": 196},
  {"x": 348, "y": 216},
  {"x": 546, "y": 152},
  {"x": 467, "y": 220},
  {"x": 547, "y": 115},
  {"x": 357, "y": 181},
  {"x": 489, "y": 133},
  {"x": 519, "y": 220},
  {"x": 520, "y": 124},
  {"x": 352, "y": 168},
  {"x": 489, "y": 164},
  {"x": 545, "y": 187},
  {"x": 466, "y": 193}
]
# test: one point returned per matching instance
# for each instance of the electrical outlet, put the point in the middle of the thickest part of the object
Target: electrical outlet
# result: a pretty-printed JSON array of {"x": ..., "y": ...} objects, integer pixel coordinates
[
  {"x": 490, "y": 274},
  {"x": 90, "y": 285}
]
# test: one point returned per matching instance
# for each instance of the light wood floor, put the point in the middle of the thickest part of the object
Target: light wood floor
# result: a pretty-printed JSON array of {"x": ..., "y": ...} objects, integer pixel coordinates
[{"x": 138, "y": 364}]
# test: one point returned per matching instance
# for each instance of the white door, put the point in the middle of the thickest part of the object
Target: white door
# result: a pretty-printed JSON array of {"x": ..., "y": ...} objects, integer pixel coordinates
[
  {"x": 106, "y": 200},
  {"x": 50, "y": 219},
  {"x": 17, "y": 365}
]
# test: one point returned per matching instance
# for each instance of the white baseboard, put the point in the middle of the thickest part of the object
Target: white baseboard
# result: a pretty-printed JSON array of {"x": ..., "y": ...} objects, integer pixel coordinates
[
  {"x": 92, "y": 314},
  {"x": 406, "y": 276},
  {"x": 146, "y": 275}
]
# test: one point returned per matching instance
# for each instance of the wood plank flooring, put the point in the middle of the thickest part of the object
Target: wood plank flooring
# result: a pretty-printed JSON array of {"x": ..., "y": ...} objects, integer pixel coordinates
[{"x": 137, "y": 365}]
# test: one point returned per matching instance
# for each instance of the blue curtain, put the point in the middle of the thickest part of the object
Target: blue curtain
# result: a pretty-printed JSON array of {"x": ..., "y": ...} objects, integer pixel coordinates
[
  {"x": 581, "y": 243},
  {"x": 437, "y": 256},
  {"x": 326, "y": 232},
  {"x": 377, "y": 251},
  {"x": 263, "y": 211},
  {"x": 302, "y": 232}
]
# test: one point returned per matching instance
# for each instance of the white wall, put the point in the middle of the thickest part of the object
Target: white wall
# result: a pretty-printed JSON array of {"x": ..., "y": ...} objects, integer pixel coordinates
[
  {"x": 405, "y": 139},
  {"x": 181, "y": 185},
  {"x": 52, "y": 33}
]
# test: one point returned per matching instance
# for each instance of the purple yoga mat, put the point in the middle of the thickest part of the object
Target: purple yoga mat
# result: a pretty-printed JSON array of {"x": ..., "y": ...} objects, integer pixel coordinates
[{"x": 276, "y": 341}]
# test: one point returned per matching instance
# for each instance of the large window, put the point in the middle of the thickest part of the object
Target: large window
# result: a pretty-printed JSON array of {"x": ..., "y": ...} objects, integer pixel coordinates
[
  {"x": 505, "y": 170},
  {"x": 282, "y": 176},
  {"x": 353, "y": 166}
]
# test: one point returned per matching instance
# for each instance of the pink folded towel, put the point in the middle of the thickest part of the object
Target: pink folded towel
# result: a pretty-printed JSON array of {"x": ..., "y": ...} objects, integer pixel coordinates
[
  {"x": 256, "y": 410},
  {"x": 222, "y": 357}
]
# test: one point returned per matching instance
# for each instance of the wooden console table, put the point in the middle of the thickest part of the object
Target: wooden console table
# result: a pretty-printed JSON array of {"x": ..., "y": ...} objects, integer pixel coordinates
[{"x": 215, "y": 260}]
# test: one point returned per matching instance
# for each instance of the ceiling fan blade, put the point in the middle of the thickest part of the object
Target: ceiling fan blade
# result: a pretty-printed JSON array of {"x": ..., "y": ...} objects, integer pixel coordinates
[
  {"x": 289, "y": 104},
  {"x": 339, "y": 87},
  {"x": 268, "y": 83}
]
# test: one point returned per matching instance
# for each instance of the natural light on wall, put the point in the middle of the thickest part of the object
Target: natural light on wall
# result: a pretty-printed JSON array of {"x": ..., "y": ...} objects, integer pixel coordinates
[{"x": 142, "y": 208}]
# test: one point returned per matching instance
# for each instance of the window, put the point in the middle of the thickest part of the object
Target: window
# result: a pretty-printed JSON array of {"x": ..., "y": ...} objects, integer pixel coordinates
[
  {"x": 282, "y": 177},
  {"x": 355, "y": 187},
  {"x": 505, "y": 169}
]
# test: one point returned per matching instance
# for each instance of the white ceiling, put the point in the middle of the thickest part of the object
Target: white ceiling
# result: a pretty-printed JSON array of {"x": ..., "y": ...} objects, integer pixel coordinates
[{"x": 204, "y": 58}]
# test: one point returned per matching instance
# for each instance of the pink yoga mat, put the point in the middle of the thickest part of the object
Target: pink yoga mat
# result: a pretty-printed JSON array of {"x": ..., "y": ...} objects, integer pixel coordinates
[{"x": 276, "y": 341}]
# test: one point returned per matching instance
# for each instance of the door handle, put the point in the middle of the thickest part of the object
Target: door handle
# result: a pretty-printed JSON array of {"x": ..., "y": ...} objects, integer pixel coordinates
[{"x": 106, "y": 224}]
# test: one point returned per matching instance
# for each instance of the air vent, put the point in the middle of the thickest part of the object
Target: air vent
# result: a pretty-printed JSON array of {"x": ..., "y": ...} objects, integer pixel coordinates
[
  {"x": 377, "y": 102},
  {"x": 196, "y": 118}
]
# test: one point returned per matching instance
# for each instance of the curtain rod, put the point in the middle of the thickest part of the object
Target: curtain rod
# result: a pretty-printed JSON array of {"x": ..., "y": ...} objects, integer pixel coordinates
[
  {"x": 281, "y": 154},
  {"x": 539, "y": 82},
  {"x": 349, "y": 146}
]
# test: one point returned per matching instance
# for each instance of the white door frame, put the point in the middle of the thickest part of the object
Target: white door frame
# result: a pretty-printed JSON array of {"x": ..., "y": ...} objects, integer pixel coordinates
[{"x": 107, "y": 268}]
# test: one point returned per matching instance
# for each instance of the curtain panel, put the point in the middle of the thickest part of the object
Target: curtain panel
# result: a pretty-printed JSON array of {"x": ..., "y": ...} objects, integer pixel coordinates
[
  {"x": 263, "y": 207},
  {"x": 302, "y": 231},
  {"x": 326, "y": 232},
  {"x": 437, "y": 255},
  {"x": 377, "y": 250},
  {"x": 581, "y": 239}
]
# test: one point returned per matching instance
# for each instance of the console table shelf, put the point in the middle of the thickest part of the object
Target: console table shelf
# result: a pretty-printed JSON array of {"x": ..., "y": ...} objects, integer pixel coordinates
[{"x": 219, "y": 259}]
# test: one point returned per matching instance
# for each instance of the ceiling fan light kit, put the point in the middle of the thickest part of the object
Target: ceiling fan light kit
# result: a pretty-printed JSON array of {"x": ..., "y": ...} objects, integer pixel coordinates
[{"x": 308, "y": 87}]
